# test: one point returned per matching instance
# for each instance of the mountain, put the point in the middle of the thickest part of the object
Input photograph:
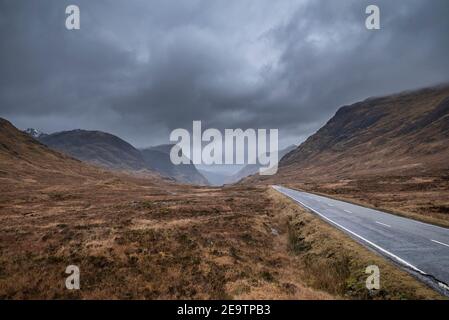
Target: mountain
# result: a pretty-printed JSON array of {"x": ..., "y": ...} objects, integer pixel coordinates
[
  {"x": 96, "y": 147},
  {"x": 387, "y": 152},
  {"x": 109, "y": 151},
  {"x": 24, "y": 160},
  {"x": 251, "y": 169},
  {"x": 158, "y": 158},
  {"x": 35, "y": 133},
  {"x": 402, "y": 133}
]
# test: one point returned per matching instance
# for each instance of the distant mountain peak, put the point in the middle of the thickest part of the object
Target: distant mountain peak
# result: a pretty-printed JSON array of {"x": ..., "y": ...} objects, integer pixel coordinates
[{"x": 35, "y": 133}]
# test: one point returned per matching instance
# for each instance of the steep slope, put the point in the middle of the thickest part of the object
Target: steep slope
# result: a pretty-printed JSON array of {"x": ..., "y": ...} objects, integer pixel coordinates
[
  {"x": 158, "y": 158},
  {"x": 406, "y": 133},
  {"x": 389, "y": 152},
  {"x": 95, "y": 147},
  {"x": 25, "y": 161}
]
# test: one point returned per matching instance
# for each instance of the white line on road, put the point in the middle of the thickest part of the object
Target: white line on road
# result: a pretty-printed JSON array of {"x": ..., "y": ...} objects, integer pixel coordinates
[
  {"x": 360, "y": 237},
  {"x": 447, "y": 245},
  {"x": 347, "y": 211},
  {"x": 386, "y": 225},
  {"x": 330, "y": 205}
]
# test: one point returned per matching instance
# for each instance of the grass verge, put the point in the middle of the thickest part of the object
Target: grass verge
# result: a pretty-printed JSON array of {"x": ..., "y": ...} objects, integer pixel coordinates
[{"x": 332, "y": 262}]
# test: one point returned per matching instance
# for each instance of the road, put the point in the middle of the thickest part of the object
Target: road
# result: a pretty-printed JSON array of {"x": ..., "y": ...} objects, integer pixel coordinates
[{"x": 421, "y": 248}]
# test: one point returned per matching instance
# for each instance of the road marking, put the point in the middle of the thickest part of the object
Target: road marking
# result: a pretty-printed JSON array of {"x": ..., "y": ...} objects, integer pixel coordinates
[
  {"x": 447, "y": 245},
  {"x": 347, "y": 211},
  {"x": 360, "y": 237},
  {"x": 386, "y": 225},
  {"x": 330, "y": 205}
]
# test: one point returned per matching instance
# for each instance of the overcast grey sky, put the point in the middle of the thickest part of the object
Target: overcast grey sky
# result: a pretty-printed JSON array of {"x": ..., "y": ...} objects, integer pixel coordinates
[{"x": 140, "y": 68}]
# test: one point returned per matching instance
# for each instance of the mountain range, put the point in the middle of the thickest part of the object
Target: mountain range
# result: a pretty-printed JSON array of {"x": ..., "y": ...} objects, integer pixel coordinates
[
  {"x": 96, "y": 147},
  {"x": 111, "y": 152},
  {"x": 25, "y": 160},
  {"x": 404, "y": 134}
]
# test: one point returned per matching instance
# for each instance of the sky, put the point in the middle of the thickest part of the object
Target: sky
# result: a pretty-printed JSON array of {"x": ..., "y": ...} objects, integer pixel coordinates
[{"x": 141, "y": 68}]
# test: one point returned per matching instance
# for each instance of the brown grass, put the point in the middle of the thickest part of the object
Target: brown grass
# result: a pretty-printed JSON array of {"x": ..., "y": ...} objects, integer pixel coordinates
[
  {"x": 424, "y": 198},
  {"x": 133, "y": 239}
]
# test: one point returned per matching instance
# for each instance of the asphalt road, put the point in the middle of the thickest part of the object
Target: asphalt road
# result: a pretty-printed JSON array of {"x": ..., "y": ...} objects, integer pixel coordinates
[{"x": 421, "y": 248}]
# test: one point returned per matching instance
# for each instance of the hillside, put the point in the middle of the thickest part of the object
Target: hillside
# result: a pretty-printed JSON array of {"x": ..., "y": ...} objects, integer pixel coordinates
[
  {"x": 24, "y": 161},
  {"x": 404, "y": 133},
  {"x": 96, "y": 147},
  {"x": 111, "y": 152},
  {"x": 390, "y": 152},
  {"x": 158, "y": 159}
]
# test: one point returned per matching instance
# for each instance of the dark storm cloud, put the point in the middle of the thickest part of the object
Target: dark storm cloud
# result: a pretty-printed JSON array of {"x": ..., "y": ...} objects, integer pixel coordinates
[{"x": 142, "y": 68}]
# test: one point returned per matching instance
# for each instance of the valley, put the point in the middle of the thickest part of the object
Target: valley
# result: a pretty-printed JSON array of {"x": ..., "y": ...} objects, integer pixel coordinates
[{"x": 136, "y": 234}]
